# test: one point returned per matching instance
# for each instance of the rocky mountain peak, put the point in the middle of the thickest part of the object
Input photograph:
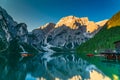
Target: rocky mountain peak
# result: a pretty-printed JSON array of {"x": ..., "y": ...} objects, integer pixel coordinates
[
  {"x": 45, "y": 28},
  {"x": 47, "y": 25},
  {"x": 69, "y": 32},
  {"x": 102, "y": 23},
  {"x": 91, "y": 27},
  {"x": 11, "y": 28},
  {"x": 72, "y": 22}
]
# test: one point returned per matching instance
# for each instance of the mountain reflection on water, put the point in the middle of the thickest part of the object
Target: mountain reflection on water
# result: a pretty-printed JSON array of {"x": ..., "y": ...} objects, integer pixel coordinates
[{"x": 46, "y": 66}]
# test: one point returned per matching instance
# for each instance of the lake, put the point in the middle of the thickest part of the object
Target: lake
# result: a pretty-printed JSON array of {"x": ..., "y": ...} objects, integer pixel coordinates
[{"x": 56, "y": 66}]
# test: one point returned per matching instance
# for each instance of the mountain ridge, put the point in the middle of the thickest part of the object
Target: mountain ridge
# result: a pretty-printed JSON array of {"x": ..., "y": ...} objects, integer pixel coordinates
[
  {"x": 12, "y": 32},
  {"x": 102, "y": 41},
  {"x": 112, "y": 28},
  {"x": 114, "y": 21},
  {"x": 18, "y": 40},
  {"x": 68, "y": 32}
]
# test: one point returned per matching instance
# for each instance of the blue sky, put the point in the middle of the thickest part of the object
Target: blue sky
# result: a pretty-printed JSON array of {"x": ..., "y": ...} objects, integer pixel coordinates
[{"x": 36, "y": 13}]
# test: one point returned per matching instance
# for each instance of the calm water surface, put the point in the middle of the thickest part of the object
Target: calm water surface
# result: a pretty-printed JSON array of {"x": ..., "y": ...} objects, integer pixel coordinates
[{"x": 46, "y": 66}]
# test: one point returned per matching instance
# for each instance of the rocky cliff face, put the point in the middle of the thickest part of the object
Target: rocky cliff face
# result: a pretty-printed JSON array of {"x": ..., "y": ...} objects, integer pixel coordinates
[
  {"x": 39, "y": 35},
  {"x": 69, "y": 32},
  {"x": 9, "y": 29}
]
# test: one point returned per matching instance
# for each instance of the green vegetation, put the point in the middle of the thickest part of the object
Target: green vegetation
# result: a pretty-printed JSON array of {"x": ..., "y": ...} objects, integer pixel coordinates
[
  {"x": 57, "y": 49},
  {"x": 103, "y": 40},
  {"x": 29, "y": 48},
  {"x": 2, "y": 45},
  {"x": 12, "y": 53}
]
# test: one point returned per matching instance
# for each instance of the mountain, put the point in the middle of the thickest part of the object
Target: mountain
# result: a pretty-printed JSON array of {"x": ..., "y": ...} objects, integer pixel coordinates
[
  {"x": 68, "y": 32},
  {"x": 102, "y": 41},
  {"x": 105, "y": 38},
  {"x": 114, "y": 21},
  {"x": 16, "y": 43},
  {"x": 11, "y": 29},
  {"x": 42, "y": 32},
  {"x": 13, "y": 36},
  {"x": 102, "y": 23}
]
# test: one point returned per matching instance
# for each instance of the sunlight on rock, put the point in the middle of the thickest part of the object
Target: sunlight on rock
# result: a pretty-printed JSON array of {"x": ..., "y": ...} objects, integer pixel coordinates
[
  {"x": 57, "y": 79},
  {"x": 102, "y": 23},
  {"x": 109, "y": 26},
  {"x": 69, "y": 22},
  {"x": 91, "y": 27},
  {"x": 94, "y": 75},
  {"x": 78, "y": 77},
  {"x": 115, "y": 77}
]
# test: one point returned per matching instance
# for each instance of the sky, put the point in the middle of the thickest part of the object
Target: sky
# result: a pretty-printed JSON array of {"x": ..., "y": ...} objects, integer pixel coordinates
[{"x": 36, "y": 13}]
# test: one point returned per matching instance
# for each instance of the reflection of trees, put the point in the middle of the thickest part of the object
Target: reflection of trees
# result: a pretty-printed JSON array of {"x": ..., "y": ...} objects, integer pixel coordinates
[
  {"x": 19, "y": 70},
  {"x": 13, "y": 53},
  {"x": 63, "y": 67},
  {"x": 12, "y": 72}
]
